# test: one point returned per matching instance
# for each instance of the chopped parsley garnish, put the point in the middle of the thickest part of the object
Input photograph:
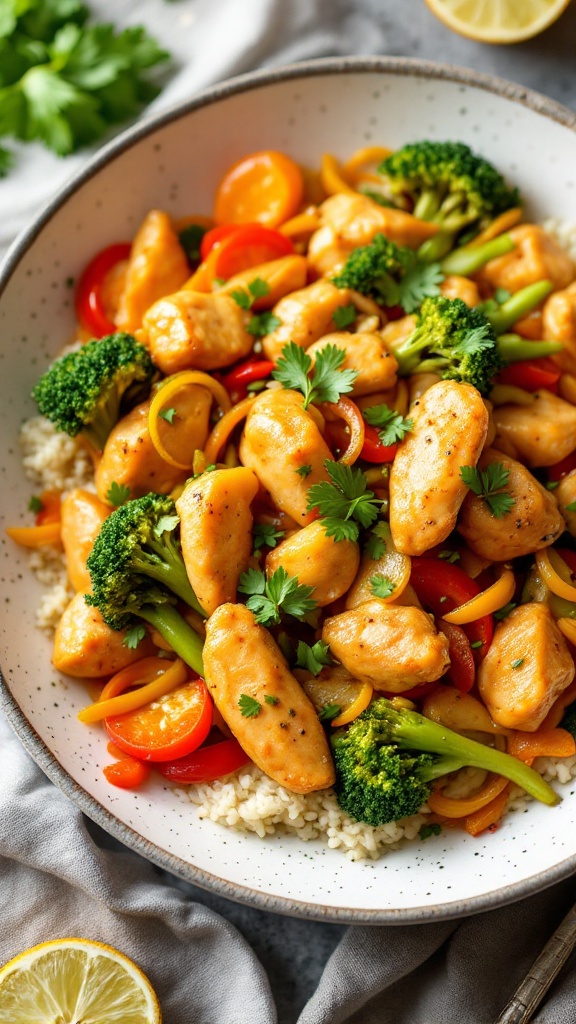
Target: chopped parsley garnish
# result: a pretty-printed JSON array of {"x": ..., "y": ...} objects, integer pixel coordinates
[
  {"x": 393, "y": 426},
  {"x": 266, "y": 536},
  {"x": 450, "y": 556},
  {"x": 329, "y": 711},
  {"x": 345, "y": 504},
  {"x": 268, "y": 598},
  {"x": 503, "y": 612},
  {"x": 571, "y": 507},
  {"x": 381, "y": 586},
  {"x": 377, "y": 541},
  {"x": 552, "y": 485},
  {"x": 35, "y": 504},
  {"x": 271, "y": 699},
  {"x": 324, "y": 382},
  {"x": 489, "y": 484},
  {"x": 262, "y": 323},
  {"x": 117, "y": 494},
  {"x": 190, "y": 238},
  {"x": 168, "y": 415},
  {"x": 249, "y": 706},
  {"x": 304, "y": 471},
  {"x": 434, "y": 829},
  {"x": 134, "y": 636},
  {"x": 476, "y": 644},
  {"x": 257, "y": 289},
  {"x": 517, "y": 663},
  {"x": 343, "y": 316},
  {"x": 420, "y": 280},
  {"x": 313, "y": 658}
]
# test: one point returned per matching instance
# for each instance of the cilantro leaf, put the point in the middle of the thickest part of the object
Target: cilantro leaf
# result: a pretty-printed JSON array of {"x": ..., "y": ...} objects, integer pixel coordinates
[
  {"x": 268, "y": 598},
  {"x": 271, "y": 699},
  {"x": 377, "y": 541},
  {"x": 324, "y": 382},
  {"x": 266, "y": 536},
  {"x": 313, "y": 658},
  {"x": 249, "y": 706},
  {"x": 381, "y": 586},
  {"x": 190, "y": 238},
  {"x": 489, "y": 484},
  {"x": 35, "y": 504},
  {"x": 241, "y": 298},
  {"x": 343, "y": 316},
  {"x": 346, "y": 498},
  {"x": 305, "y": 471},
  {"x": 434, "y": 829},
  {"x": 503, "y": 612},
  {"x": 134, "y": 636},
  {"x": 258, "y": 288},
  {"x": 329, "y": 711},
  {"x": 117, "y": 494},
  {"x": 394, "y": 426},
  {"x": 449, "y": 556},
  {"x": 417, "y": 283},
  {"x": 262, "y": 323},
  {"x": 571, "y": 507},
  {"x": 168, "y": 415}
]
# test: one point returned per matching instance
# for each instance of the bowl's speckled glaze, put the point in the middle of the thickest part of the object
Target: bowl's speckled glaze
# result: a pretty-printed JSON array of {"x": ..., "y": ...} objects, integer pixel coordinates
[{"x": 173, "y": 162}]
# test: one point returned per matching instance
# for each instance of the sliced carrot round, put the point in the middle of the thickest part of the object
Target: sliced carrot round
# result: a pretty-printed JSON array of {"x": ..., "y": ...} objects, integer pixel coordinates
[{"x": 266, "y": 187}]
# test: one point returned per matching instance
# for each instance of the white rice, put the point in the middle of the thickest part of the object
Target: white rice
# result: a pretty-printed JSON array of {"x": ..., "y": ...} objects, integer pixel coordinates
[{"x": 249, "y": 801}]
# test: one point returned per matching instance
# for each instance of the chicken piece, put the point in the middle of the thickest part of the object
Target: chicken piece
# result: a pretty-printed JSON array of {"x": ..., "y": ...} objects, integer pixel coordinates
[
  {"x": 539, "y": 434},
  {"x": 350, "y": 220},
  {"x": 534, "y": 521},
  {"x": 528, "y": 665},
  {"x": 426, "y": 489},
  {"x": 285, "y": 738},
  {"x": 318, "y": 561},
  {"x": 282, "y": 276},
  {"x": 394, "y": 333},
  {"x": 157, "y": 266},
  {"x": 195, "y": 331},
  {"x": 418, "y": 384},
  {"x": 85, "y": 647},
  {"x": 394, "y": 647},
  {"x": 536, "y": 256},
  {"x": 216, "y": 532},
  {"x": 565, "y": 495},
  {"x": 391, "y": 565},
  {"x": 279, "y": 438},
  {"x": 455, "y": 287},
  {"x": 365, "y": 353},
  {"x": 130, "y": 458},
  {"x": 305, "y": 316},
  {"x": 559, "y": 324},
  {"x": 82, "y": 516}
]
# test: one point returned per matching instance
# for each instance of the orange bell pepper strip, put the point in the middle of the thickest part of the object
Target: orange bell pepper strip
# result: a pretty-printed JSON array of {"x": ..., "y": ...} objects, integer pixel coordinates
[
  {"x": 35, "y": 536},
  {"x": 461, "y": 807},
  {"x": 543, "y": 743},
  {"x": 487, "y": 816}
]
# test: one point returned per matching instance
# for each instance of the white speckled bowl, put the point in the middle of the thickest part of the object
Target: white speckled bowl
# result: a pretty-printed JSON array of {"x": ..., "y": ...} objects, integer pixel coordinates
[{"x": 173, "y": 162}]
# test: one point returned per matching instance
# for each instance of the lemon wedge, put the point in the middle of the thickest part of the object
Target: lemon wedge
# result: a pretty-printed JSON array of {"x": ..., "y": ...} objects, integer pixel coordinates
[
  {"x": 498, "y": 21},
  {"x": 75, "y": 981}
]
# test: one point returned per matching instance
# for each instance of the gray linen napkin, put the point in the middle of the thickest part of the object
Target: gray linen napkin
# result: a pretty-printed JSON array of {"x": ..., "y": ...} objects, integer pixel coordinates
[{"x": 59, "y": 875}]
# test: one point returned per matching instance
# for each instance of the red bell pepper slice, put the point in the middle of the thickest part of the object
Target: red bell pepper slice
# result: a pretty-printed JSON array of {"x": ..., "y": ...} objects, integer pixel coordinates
[
  {"x": 88, "y": 299},
  {"x": 462, "y": 671},
  {"x": 569, "y": 557},
  {"x": 531, "y": 374},
  {"x": 129, "y": 773},
  {"x": 373, "y": 450},
  {"x": 217, "y": 235},
  {"x": 441, "y": 587},
  {"x": 237, "y": 380},
  {"x": 246, "y": 246},
  {"x": 562, "y": 468},
  {"x": 206, "y": 763}
]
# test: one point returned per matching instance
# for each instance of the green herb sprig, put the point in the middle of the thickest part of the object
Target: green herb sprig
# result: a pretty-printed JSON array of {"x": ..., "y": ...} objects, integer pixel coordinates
[{"x": 324, "y": 382}]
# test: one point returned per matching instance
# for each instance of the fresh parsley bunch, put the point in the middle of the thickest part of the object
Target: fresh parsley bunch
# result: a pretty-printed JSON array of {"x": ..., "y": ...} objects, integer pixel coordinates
[
  {"x": 63, "y": 82},
  {"x": 324, "y": 382},
  {"x": 280, "y": 593},
  {"x": 346, "y": 503}
]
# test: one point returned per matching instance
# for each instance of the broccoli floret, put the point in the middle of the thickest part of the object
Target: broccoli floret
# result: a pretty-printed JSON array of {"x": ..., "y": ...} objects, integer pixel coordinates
[
  {"x": 387, "y": 759},
  {"x": 453, "y": 340},
  {"x": 448, "y": 184},
  {"x": 81, "y": 392},
  {"x": 391, "y": 274},
  {"x": 136, "y": 568}
]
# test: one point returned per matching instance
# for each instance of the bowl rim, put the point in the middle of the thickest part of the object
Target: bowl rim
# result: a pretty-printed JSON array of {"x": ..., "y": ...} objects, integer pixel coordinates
[{"x": 36, "y": 747}]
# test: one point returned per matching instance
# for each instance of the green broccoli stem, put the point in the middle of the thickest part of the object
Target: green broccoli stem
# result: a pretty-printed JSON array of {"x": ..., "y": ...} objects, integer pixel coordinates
[
  {"x": 105, "y": 417},
  {"x": 427, "y": 205},
  {"x": 166, "y": 566},
  {"x": 412, "y": 731},
  {"x": 513, "y": 348},
  {"x": 433, "y": 249},
  {"x": 176, "y": 631},
  {"x": 519, "y": 305},
  {"x": 469, "y": 258}
]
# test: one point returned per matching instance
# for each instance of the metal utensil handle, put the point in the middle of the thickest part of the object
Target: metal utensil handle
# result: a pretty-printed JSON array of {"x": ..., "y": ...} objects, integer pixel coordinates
[{"x": 544, "y": 970}]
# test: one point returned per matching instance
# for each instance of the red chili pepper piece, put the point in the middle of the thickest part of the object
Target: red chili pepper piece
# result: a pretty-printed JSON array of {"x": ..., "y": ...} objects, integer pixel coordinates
[
  {"x": 462, "y": 671},
  {"x": 206, "y": 763},
  {"x": 373, "y": 449},
  {"x": 531, "y": 374},
  {"x": 88, "y": 299},
  {"x": 237, "y": 380}
]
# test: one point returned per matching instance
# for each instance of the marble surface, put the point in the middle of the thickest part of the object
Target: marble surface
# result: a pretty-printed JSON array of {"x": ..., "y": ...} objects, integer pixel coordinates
[{"x": 294, "y": 952}]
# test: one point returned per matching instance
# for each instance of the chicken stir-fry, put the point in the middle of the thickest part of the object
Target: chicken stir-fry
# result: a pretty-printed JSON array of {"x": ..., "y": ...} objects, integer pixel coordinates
[{"x": 335, "y": 478}]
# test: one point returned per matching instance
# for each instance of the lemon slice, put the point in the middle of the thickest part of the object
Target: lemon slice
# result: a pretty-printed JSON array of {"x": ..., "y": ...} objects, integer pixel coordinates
[
  {"x": 498, "y": 21},
  {"x": 75, "y": 981}
]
